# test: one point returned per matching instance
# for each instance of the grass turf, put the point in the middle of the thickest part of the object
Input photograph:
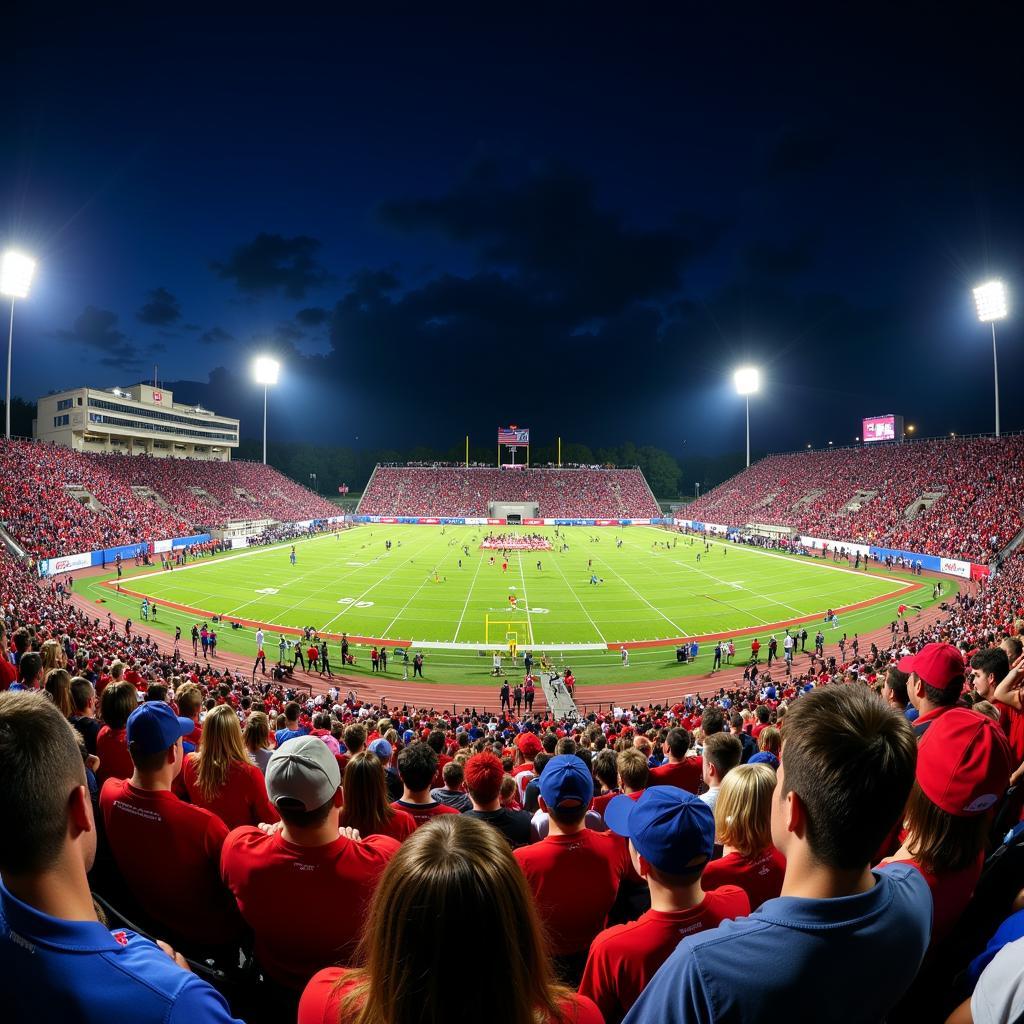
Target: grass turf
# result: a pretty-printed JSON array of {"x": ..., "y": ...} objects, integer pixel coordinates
[{"x": 349, "y": 582}]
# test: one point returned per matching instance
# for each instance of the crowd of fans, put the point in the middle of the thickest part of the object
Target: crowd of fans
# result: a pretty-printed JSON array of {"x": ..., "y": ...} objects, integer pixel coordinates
[
  {"x": 977, "y": 512},
  {"x": 56, "y": 501},
  {"x": 558, "y": 493},
  {"x": 340, "y": 858}
]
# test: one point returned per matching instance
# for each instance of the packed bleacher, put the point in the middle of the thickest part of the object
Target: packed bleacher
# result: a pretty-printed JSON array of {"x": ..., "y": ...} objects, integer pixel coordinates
[
  {"x": 458, "y": 491},
  {"x": 977, "y": 508},
  {"x": 329, "y": 858},
  {"x": 55, "y": 501}
]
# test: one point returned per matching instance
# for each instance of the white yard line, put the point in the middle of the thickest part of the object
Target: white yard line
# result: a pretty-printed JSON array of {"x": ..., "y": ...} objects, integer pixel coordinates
[
  {"x": 526, "y": 600},
  {"x": 479, "y": 562},
  {"x": 675, "y": 625},
  {"x": 579, "y": 600}
]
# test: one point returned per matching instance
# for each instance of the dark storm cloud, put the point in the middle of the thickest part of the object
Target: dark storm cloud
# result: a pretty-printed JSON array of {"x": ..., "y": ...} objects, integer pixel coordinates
[
  {"x": 764, "y": 257},
  {"x": 161, "y": 309},
  {"x": 216, "y": 336},
  {"x": 549, "y": 233},
  {"x": 313, "y": 316},
  {"x": 272, "y": 263},
  {"x": 96, "y": 329}
]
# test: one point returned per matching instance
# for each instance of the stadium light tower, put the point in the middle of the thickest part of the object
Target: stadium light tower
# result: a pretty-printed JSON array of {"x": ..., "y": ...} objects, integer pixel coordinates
[
  {"x": 16, "y": 272},
  {"x": 266, "y": 372},
  {"x": 990, "y": 298},
  {"x": 748, "y": 381}
]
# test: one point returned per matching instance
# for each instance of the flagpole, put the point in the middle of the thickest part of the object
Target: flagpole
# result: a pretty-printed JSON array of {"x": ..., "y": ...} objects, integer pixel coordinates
[
  {"x": 559, "y": 453},
  {"x": 467, "y": 451}
]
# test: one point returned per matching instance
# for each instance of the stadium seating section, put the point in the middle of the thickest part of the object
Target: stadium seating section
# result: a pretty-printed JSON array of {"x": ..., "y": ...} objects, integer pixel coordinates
[
  {"x": 979, "y": 509},
  {"x": 460, "y": 491},
  {"x": 38, "y": 484}
]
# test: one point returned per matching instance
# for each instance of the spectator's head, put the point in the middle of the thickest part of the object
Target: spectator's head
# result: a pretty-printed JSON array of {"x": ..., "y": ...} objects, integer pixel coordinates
[
  {"x": 53, "y": 656},
  {"x": 453, "y": 775},
  {"x": 1013, "y": 647},
  {"x": 366, "y": 806},
  {"x": 763, "y": 714},
  {"x": 58, "y": 688},
  {"x": 156, "y": 691},
  {"x": 677, "y": 743},
  {"x": 633, "y": 770},
  {"x": 381, "y": 749},
  {"x": 118, "y": 701},
  {"x": 257, "y": 732},
  {"x": 154, "y": 734},
  {"x": 417, "y": 764},
  {"x": 566, "y": 789},
  {"x": 435, "y": 740},
  {"x": 220, "y": 746},
  {"x": 743, "y": 811},
  {"x": 894, "y": 688},
  {"x": 605, "y": 768},
  {"x": 671, "y": 834},
  {"x": 566, "y": 745},
  {"x": 549, "y": 741},
  {"x": 452, "y": 870},
  {"x": 354, "y": 737},
  {"x": 528, "y": 746},
  {"x": 988, "y": 667},
  {"x": 30, "y": 671},
  {"x": 292, "y": 710},
  {"x": 847, "y": 768},
  {"x": 304, "y": 784},
  {"x": 712, "y": 720},
  {"x": 190, "y": 700},
  {"x": 963, "y": 769},
  {"x": 722, "y": 752},
  {"x": 83, "y": 696},
  {"x": 770, "y": 740},
  {"x": 44, "y": 801},
  {"x": 936, "y": 676},
  {"x": 484, "y": 774}
]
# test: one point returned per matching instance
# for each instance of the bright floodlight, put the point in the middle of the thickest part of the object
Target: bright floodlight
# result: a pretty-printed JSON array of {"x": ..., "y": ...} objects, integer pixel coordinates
[
  {"x": 16, "y": 274},
  {"x": 990, "y": 298},
  {"x": 266, "y": 370},
  {"x": 747, "y": 380}
]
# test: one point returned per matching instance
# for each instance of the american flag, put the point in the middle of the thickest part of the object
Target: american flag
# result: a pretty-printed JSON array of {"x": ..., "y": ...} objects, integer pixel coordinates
[{"x": 513, "y": 435}]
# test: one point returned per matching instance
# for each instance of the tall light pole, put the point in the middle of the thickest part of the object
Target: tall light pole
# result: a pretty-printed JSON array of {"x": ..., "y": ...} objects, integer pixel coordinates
[
  {"x": 266, "y": 371},
  {"x": 748, "y": 381},
  {"x": 16, "y": 272},
  {"x": 990, "y": 298}
]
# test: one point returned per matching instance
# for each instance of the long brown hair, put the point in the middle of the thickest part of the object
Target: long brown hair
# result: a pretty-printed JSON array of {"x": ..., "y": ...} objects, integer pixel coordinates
[
  {"x": 366, "y": 806},
  {"x": 58, "y": 686},
  {"x": 257, "y": 732},
  {"x": 451, "y": 870},
  {"x": 940, "y": 841},
  {"x": 219, "y": 745}
]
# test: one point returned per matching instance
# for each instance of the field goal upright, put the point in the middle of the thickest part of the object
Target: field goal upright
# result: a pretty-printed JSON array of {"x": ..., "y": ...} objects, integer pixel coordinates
[{"x": 499, "y": 633}]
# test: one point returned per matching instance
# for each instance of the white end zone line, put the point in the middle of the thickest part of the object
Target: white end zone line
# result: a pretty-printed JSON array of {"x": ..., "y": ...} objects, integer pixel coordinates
[
  {"x": 526, "y": 600},
  {"x": 479, "y": 562}
]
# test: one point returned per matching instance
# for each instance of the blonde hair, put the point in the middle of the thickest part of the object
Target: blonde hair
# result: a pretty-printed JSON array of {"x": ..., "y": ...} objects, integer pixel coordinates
[
  {"x": 632, "y": 767},
  {"x": 257, "y": 732},
  {"x": 770, "y": 740},
  {"x": 219, "y": 746},
  {"x": 58, "y": 686},
  {"x": 53, "y": 656},
  {"x": 743, "y": 811}
]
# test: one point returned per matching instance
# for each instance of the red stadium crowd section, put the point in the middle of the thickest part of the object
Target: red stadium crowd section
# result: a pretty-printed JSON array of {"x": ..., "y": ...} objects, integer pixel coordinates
[
  {"x": 979, "y": 512},
  {"x": 43, "y": 516},
  {"x": 559, "y": 493}
]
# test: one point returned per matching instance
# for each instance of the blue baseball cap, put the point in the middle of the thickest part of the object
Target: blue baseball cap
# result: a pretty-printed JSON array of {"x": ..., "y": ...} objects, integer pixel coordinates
[
  {"x": 566, "y": 783},
  {"x": 154, "y": 726},
  {"x": 765, "y": 757},
  {"x": 381, "y": 748},
  {"x": 669, "y": 827}
]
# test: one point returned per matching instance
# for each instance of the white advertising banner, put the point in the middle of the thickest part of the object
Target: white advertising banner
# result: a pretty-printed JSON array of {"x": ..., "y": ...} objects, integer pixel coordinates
[
  {"x": 952, "y": 567},
  {"x": 66, "y": 563},
  {"x": 161, "y": 545}
]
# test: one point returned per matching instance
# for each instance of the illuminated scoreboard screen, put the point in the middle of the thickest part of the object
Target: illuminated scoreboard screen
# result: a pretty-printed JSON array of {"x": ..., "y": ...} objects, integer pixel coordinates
[{"x": 882, "y": 428}]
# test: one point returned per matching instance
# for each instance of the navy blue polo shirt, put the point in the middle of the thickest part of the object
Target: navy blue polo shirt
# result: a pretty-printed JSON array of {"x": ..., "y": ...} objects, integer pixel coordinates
[
  {"x": 804, "y": 953},
  {"x": 61, "y": 971}
]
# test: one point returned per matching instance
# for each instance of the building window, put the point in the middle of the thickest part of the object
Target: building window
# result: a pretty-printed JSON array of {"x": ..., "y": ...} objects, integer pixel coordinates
[
  {"x": 65, "y": 403},
  {"x": 61, "y": 421}
]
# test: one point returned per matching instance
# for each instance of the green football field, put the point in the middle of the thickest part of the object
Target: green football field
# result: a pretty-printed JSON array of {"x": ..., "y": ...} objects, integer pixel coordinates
[{"x": 418, "y": 592}]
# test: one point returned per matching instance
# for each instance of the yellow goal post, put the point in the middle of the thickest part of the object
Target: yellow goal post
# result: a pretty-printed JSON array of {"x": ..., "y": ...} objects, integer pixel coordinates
[{"x": 501, "y": 633}]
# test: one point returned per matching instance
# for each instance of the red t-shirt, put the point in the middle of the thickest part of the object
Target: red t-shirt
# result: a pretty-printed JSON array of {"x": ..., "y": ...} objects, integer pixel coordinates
[
  {"x": 422, "y": 813},
  {"x": 558, "y": 869},
  {"x": 112, "y": 750},
  {"x": 168, "y": 853},
  {"x": 687, "y": 774},
  {"x": 329, "y": 886},
  {"x": 602, "y": 801},
  {"x": 8, "y": 673},
  {"x": 759, "y": 876},
  {"x": 624, "y": 958},
  {"x": 951, "y": 892},
  {"x": 438, "y": 780},
  {"x": 242, "y": 800},
  {"x": 400, "y": 827},
  {"x": 321, "y": 1001}
]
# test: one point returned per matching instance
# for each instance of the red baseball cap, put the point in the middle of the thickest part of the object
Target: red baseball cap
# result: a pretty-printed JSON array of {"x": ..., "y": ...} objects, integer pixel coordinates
[
  {"x": 963, "y": 762},
  {"x": 528, "y": 744},
  {"x": 939, "y": 665}
]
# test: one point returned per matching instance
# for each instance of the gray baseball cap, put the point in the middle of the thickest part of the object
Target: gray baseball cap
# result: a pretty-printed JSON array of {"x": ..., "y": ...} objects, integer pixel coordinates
[{"x": 303, "y": 770}]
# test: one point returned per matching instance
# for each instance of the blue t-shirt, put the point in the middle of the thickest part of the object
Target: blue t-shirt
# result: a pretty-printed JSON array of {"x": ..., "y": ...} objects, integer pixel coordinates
[
  {"x": 57, "y": 971},
  {"x": 284, "y": 735},
  {"x": 1009, "y": 931},
  {"x": 793, "y": 958}
]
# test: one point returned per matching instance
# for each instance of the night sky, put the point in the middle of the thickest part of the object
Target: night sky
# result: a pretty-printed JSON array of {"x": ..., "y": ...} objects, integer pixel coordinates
[{"x": 578, "y": 223}]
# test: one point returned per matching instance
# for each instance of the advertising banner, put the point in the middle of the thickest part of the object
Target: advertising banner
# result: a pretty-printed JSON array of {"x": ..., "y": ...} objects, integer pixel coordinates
[{"x": 952, "y": 567}]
